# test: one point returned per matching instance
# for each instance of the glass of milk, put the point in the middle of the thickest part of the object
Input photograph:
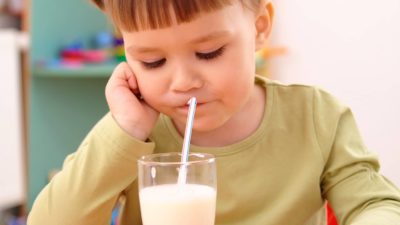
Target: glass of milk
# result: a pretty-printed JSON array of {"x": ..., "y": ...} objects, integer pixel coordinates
[{"x": 164, "y": 200}]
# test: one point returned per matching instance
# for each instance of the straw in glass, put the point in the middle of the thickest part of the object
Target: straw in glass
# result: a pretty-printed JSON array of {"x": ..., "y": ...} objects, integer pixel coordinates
[{"x": 186, "y": 141}]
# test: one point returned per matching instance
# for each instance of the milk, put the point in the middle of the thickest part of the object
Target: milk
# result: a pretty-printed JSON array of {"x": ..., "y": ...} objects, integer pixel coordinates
[{"x": 178, "y": 204}]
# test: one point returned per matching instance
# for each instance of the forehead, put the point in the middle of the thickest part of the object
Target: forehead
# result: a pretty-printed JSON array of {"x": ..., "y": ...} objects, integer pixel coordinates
[
  {"x": 215, "y": 25},
  {"x": 137, "y": 15}
]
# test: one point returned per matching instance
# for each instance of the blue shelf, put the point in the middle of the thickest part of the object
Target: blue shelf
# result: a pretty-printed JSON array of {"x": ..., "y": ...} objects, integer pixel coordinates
[{"x": 86, "y": 71}]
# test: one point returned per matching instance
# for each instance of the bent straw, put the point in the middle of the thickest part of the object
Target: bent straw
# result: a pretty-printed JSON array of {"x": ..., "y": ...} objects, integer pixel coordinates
[{"x": 186, "y": 140}]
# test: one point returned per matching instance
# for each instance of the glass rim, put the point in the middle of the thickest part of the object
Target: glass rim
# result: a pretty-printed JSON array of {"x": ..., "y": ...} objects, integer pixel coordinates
[{"x": 203, "y": 158}]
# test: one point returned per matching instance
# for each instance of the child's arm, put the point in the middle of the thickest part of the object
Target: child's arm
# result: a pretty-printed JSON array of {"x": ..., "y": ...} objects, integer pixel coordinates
[
  {"x": 351, "y": 182},
  {"x": 92, "y": 179}
]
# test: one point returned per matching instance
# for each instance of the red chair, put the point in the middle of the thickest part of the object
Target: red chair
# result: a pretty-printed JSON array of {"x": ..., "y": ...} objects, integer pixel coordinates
[{"x": 330, "y": 216}]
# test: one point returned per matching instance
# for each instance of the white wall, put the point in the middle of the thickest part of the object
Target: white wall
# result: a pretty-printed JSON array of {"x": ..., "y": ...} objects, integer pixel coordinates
[
  {"x": 11, "y": 168},
  {"x": 352, "y": 49}
]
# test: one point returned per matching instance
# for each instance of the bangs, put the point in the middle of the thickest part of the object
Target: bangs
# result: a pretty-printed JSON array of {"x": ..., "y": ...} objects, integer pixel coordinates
[{"x": 136, "y": 15}]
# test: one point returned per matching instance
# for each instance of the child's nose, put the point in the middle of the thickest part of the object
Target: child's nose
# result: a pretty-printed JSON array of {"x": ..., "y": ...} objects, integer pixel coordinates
[{"x": 184, "y": 80}]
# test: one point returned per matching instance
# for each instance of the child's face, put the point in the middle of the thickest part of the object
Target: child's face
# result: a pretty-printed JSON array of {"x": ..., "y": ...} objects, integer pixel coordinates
[{"x": 211, "y": 58}]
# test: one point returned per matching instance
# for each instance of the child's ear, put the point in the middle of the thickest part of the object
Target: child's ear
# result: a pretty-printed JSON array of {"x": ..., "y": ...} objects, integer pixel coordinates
[
  {"x": 98, "y": 3},
  {"x": 263, "y": 23}
]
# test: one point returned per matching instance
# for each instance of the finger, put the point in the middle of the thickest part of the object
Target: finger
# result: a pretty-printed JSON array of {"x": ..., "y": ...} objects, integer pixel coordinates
[
  {"x": 123, "y": 77},
  {"x": 131, "y": 78}
]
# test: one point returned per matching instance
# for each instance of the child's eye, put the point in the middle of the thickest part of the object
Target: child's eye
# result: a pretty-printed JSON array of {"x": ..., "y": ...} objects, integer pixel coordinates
[
  {"x": 210, "y": 55},
  {"x": 155, "y": 64}
]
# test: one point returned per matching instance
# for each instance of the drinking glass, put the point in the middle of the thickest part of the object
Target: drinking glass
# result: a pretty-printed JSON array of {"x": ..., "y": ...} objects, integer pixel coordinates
[{"x": 176, "y": 193}]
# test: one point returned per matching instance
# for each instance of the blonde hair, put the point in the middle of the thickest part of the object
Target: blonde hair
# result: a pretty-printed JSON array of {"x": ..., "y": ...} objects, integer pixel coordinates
[{"x": 135, "y": 15}]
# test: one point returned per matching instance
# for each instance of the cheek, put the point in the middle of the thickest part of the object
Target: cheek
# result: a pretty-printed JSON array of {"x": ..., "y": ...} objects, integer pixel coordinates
[
  {"x": 150, "y": 86},
  {"x": 238, "y": 79},
  {"x": 150, "y": 89},
  {"x": 239, "y": 69},
  {"x": 242, "y": 59}
]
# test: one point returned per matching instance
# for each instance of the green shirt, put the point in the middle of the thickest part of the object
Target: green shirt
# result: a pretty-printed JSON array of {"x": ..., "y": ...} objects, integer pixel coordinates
[{"x": 306, "y": 150}]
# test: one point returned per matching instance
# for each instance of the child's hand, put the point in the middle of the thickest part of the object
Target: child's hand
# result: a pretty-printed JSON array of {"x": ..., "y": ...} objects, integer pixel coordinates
[{"x": 131, "y": 112}]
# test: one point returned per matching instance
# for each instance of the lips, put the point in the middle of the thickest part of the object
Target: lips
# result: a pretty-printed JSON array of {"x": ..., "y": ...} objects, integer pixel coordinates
[
  {"x": 187, "y": 105},
  {"x": 185, "y": 108}
]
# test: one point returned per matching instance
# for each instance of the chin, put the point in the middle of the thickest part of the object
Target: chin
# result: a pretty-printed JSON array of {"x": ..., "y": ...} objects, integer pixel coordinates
[{"x": 207, "y": 124}]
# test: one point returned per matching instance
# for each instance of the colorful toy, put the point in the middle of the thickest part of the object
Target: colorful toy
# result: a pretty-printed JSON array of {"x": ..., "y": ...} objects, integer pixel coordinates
[
  {"x": 262, "y": 57},
  {"x": 119, "y": 51}
]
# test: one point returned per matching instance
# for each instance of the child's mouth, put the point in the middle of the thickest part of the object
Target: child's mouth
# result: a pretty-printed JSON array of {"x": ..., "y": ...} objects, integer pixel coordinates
[{"x": 185, "y": 108}]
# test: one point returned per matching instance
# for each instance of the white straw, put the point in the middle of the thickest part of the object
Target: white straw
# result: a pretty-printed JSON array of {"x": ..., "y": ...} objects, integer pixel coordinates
[{"x": 186, "y": 140}]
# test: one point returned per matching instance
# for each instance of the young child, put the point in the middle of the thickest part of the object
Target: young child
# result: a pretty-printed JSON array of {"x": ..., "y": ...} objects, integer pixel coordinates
[{"x": 281, "y": 150}]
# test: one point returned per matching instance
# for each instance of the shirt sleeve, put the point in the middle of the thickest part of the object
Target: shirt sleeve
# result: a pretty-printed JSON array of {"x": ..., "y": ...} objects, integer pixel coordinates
[
  {"x": 351, "y": 181},
  {"x": 85, "y": 191}
]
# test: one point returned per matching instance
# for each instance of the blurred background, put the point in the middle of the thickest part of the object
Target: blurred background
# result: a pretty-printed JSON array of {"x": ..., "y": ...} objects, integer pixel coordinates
[{"x": 56, "y": 56}]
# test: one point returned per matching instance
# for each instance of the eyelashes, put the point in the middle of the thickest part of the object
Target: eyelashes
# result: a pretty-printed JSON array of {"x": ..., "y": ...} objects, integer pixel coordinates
[
  {"x": 210, "y": 55},
  {"x": 155, "y": 64},
  {"x": 201, "y": 56}
]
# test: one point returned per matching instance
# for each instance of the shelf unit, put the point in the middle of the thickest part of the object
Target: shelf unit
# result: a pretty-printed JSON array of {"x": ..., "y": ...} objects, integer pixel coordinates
[
  {"x": 85, "y": 71},
  {"x": 63, "y": 103}
]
